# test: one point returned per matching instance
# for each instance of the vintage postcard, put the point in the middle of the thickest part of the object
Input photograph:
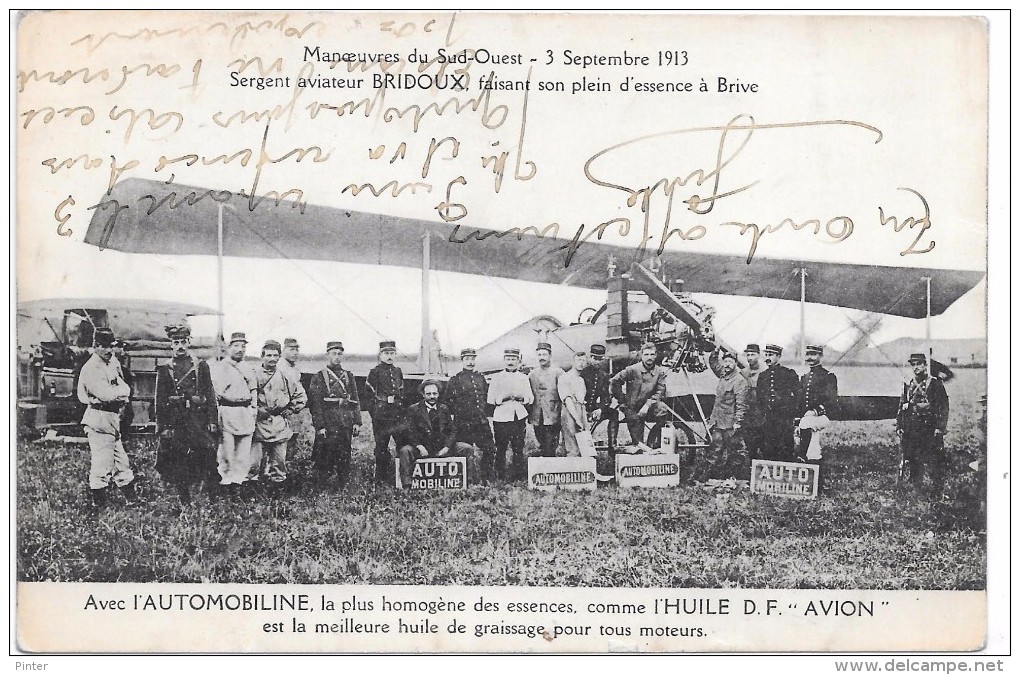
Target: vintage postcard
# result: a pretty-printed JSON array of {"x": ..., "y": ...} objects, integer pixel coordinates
[{"x": 501, "y": 333}]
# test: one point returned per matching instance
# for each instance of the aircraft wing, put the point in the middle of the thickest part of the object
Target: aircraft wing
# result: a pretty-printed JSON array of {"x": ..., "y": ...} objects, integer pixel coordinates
[
  {"x": 145, "y": 216},
  {"x": 133, "y": 320}
]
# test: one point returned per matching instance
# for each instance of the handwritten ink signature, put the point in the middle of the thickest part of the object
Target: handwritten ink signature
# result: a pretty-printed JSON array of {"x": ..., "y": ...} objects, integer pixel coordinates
[
  {"x": 909, "y": 222},
  {"x": 708, "y": 185},
  {"x": 733, "y": 138}
]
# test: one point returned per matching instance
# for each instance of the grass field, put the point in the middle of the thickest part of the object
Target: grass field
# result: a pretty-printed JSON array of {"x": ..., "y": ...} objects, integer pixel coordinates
[{"x": 866, "y": 533}]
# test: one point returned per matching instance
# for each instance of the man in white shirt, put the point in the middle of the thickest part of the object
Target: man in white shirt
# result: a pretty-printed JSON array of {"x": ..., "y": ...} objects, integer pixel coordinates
[
  {"x": 573, "y": 417},
  {"x": 510, "y": 393},
  {"x": 102, "y": 388},
  {"x": 235, "y": 385}
]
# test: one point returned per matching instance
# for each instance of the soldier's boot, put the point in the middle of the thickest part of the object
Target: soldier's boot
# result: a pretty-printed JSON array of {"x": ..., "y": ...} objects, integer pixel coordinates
[
  {"x": 655, "y": 436},
  {"x": 519, "y": 467},
  {"x": 937, "y": 474},
  {"x": 183, "y": 494},
  {"x": 384, "y": 472},
  {"x": 917, "y": 475},
  {"x": 130, "y": 494},
  {"x": 98, "y": 498},
  {"x": 293, "y": 485}
]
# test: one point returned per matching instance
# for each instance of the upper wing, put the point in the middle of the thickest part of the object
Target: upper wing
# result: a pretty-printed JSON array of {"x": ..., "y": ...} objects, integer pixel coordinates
[
  {"x": 144, "y": 216},
  {"x": 56, "y": 306},
  {"x": 129, "y": 319}
]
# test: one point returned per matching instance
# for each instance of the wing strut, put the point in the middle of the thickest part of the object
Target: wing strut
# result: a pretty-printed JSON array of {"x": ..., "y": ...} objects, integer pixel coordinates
[
  {"x": 927, "y": 320},
  {"x": 219, "y": 278},
  {"x": 429, "y": 359},
  {"x": 803, "y": 306}
]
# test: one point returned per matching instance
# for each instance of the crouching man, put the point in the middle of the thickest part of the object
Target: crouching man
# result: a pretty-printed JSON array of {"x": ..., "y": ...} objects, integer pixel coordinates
[
  {"x": 102, "y": 388},
  {"x": 430, "y": 433},
  {"x": 640, "y": 388}
]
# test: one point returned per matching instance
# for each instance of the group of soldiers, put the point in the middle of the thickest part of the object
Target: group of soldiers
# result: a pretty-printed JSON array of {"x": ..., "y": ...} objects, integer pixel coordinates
[
  {"x": 758, "y": 407},
  {"x": 228, "y": 423}
]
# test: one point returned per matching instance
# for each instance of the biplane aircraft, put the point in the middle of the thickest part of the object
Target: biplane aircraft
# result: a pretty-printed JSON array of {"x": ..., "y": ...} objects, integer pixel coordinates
[
  {"x": 54, "y": 339},
  {"x": 648, "y": 297}
]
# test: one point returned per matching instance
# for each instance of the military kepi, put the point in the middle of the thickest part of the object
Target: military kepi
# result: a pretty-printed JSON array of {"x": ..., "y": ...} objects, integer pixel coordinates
[
  {"x": 290, "y": 342},
  {"x": 104, "y": 337},
  {"x": 773, "y": 349},
  {"x": 917, "y": 358},
  {"x": 387, "y": 346},
  {"x": 467, "y": 351},
  {"x": 597, "y": 350},
  {"x": 752, "y": 349},
  {"x": 510, "y": 351},
  {"x": 178, "y": 332},
  {"x": 813, "y": 349},
  {"x": 543, "y": 345},
  {"x": 238, "y": 337},
  {"x": 271, "y": 344},
  {"x": 334, "y": 344}
]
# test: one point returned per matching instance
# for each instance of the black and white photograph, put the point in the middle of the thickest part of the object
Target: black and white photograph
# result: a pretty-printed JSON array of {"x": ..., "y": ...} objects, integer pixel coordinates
[{"x": 487, "y": 332}]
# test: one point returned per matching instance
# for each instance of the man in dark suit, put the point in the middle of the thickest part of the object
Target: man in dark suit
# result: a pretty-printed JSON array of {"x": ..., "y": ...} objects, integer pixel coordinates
[
  {"x": 429, "y": 433},
  {"x": 777, "y": 398},
  {"x": 466, "y": 396}
]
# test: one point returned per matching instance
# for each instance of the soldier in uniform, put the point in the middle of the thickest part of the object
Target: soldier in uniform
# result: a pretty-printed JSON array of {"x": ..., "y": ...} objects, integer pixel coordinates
[
  {"x": 102, "y": 388},
  {"x": 280, "y": 397},
  {"x": 430, "y": 432},
  {"x": 186, "y": 417},
  {"x": 510, "y": 392},
  {"x": 573, "y": 416},
  {"x": 639, "y": 388},
  {"x": 732, "y": 395},
  {"x": 336, "y": 413},
  {"x": 598, "y": 400},
  {"x": 921, "y": 425},
  {"x": 466, "y": 397},
  {"x": 545, "y": 410},
  {"x": 818, "y": 397},
  {"x": 302, "y": 421},
  {"x": 753, "y": 431},
  {"x": 236, "y": 386},
  {"x": 777, "y": 399},
  {"x": 386, "y": 406}
]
